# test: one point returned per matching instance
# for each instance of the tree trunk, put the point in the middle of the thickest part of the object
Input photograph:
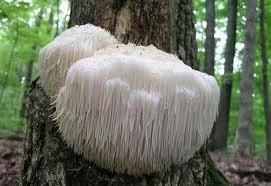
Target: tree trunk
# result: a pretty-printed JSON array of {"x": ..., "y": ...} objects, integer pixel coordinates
[
  {"x": 167, "y": 24},
  {"x": 267, "y": 112},
  {"x": 49, "y": 161},
  {"x": 244, "y": 137},
  {"x": 220, "y": 136},
  {"x": 210, "y": 38}
]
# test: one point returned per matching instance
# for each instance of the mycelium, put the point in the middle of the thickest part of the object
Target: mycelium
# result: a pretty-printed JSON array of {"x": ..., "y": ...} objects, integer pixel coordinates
[
  {"x": 136, "y": 110},
  {"x": 73, "y": 44}
]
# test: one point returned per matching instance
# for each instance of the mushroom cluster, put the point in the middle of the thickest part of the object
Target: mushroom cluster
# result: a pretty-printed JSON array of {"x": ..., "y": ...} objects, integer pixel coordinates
[{"x": 130, "y": 109}]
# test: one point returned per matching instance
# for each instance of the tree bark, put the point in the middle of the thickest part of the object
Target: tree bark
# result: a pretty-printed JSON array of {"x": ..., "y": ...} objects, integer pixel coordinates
[
  {"x": 221, "y": 127},
  {"x": 244, "y": 137},
  {"x": 267, "y": 112},
  {"x": 167, "y": 24},
  {"x": 49, "y": 161}
]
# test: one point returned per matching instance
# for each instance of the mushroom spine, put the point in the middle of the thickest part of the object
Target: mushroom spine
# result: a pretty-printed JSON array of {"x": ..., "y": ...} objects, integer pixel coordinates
[{"x": 131, "y": 109}]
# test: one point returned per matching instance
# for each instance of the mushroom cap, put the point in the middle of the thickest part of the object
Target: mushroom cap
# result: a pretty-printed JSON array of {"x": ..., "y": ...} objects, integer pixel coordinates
[
  {"x": 73, "y": 44},
  {"x": 136, "y": 113}
]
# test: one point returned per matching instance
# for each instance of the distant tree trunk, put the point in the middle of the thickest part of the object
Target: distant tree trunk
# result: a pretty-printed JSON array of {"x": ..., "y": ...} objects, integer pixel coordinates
[
  {"x": 210, "y": 38},
  {"x": 167, "y": 24},
  {"x": 220, "y": 136},
  {"x": 209, "y": 58},
  {"x": 244, "y": 137},
  {"x": 267, "y": 112}
]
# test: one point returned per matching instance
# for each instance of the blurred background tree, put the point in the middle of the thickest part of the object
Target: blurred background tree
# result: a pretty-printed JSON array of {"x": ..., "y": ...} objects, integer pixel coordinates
[{"x": 224, "y": 9}]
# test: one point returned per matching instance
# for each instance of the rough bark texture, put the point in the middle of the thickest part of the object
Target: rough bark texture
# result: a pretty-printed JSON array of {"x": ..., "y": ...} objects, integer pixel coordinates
[
  {"x": 220, "y": 135},
  {"x": 49, "y": 161},
  {"x": 167, "y": 24},
  {"x": 243, "y": 138},
  {"x": 209, "y": 61},
  {"x": 267, "y": 112}
]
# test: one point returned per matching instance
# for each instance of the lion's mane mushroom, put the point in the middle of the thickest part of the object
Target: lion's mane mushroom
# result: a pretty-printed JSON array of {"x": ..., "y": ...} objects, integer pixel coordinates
[
  {"x": 73, "y": 44},
  {"x": 137, "y": 111}
]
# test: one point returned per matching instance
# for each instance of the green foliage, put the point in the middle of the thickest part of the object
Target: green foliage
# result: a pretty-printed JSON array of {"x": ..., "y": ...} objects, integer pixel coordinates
[
  {"x": 32, "y": 24},
  {"x": 221, "y": 21}
]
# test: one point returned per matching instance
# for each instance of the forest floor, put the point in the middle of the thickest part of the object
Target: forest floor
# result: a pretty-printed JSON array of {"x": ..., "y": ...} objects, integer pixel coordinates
[
  {"x": 10, "y": 160},
  {"x": 248, "y": 170},
  {"x": 239, "y": 171}
]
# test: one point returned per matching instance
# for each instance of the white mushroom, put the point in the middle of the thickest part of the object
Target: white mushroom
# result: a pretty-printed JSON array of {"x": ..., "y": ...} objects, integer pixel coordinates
[
  {"x": 73, "y": 44},
  {"x": 130, "y": 109},
  {"x": 136, "y": 112}
]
